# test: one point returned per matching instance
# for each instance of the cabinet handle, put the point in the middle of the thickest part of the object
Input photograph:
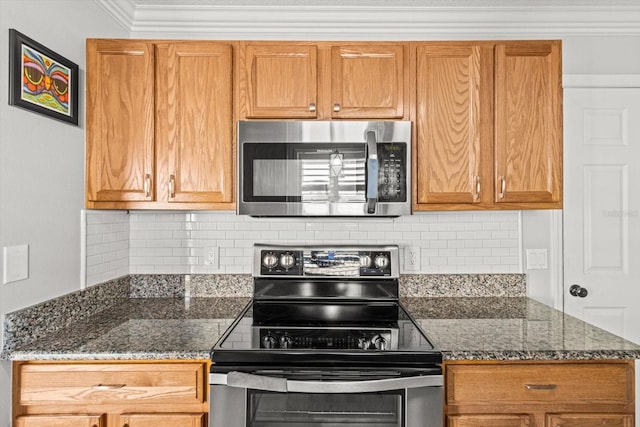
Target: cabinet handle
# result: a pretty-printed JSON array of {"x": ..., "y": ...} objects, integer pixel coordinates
[
  {"x": 503, "y": 186},
  {"x": 312, "y": 107},
  {"x": 107, "y": 386},
  {"x": 540, "y": 386},
  {"x": 147, "y": 185},
  {"x": 477, "y": 186},
  {"x": 172, "y": 186},
  {"x": 336, "y": 108}
]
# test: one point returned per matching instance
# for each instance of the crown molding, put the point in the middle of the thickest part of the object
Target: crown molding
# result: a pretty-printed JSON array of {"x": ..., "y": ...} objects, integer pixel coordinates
[{"x": 404, "y": 20}]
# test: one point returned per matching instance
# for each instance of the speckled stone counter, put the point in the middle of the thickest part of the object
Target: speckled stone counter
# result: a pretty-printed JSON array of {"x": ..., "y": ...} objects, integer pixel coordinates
[
  {"x": 181, "y": 317},
  {"x": 140, "y": 329},
  {"x": 516, "y": 328}
]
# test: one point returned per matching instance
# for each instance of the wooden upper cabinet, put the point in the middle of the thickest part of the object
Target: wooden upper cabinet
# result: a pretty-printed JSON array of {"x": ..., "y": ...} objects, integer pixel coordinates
[
  {"x": 528, "y": 122},
  {"x": 453, "y": 91},
  {"x": 160, "y": 124},
  {"x": 195, "y": 122},
  {"x": 300, "y": 80},
  {"x": 488, "y": 121},
  {"x": 367, "y": 81},
  {"x": 279, "y": 80},
  {"x": 120, "y": 121}
]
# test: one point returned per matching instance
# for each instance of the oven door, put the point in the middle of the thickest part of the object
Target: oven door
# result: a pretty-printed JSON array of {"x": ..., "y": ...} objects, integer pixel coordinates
[{"x": 247, "y": 400}]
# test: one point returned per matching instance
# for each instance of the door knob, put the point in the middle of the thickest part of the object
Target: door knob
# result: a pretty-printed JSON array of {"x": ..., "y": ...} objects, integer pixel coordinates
[{"x": 578, "y": 291}]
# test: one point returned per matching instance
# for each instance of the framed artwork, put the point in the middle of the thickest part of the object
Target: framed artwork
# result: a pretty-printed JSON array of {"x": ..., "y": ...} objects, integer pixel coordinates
[{"x": 40, "y": 80}]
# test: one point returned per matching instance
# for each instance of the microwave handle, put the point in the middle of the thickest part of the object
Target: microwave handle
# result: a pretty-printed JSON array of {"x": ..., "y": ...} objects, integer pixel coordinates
[{"x": 372, "y": 172}]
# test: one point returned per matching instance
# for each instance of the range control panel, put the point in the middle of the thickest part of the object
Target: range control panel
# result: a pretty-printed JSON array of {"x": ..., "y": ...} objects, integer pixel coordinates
[
  {"x": 334, "y": 338},
  {"x": 335, "y": 261}
]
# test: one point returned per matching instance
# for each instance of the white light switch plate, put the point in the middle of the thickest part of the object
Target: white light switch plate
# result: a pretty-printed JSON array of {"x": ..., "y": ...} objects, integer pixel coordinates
[
  {"x": 536, "y": 259},
  {"x": 15, "y": 263}
]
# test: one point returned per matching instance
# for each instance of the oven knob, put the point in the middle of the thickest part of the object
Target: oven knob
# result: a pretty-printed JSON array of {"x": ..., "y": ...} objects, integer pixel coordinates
[
  {"x": 381, "y": 261},
  {"x": 269, "y": 341},
  {"x": 380, "y": 342},
  {"x": 286, "y": 341},
  {"x": 364, "y": 343},
  {"x": 269, "y": 260},
  {"x": 365, "y": 261},
  {"x": 287, "y": 260}
]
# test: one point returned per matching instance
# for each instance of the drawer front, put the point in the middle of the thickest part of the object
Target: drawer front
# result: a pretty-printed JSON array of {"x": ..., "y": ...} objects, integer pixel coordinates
[
  {"x": 607, "y": 383},
  {"x": 61, "y": 421},
  {"x": 589, "y": 420},
  {"x": 106, "y": 383}
]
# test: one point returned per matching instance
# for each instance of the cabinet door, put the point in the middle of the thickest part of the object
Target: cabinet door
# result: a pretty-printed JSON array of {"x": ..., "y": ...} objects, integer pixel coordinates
[
  {"x": 279, "y": 80},
  {"x": 453, "y": 104},
  {"x": 60, "y": 421},
  {"x": 120, "y": 121},
  {"x": 528, "y": 123},
  {"x": 589, "y": 420},
  {"x": 164, "y": 420},
  {"x": 195, "y": 122},
  {"x": 488, "y": 421},
  {"x": 368, "y": 81}
]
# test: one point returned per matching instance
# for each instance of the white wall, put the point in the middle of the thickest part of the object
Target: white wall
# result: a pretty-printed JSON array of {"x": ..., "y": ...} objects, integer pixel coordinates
[{"x": 42, "y": 162}]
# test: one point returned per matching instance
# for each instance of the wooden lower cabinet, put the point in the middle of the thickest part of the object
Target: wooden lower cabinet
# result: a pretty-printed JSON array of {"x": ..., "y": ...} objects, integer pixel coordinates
[
  {"x": 110, "y": 394},
  {"x": 164, "y": 420},
  {"x": 488, "y": 421},
  {"x": 60, "y": 421},
  {"x": 589, "y": 420},
  {"x": 540, "y": 394}
]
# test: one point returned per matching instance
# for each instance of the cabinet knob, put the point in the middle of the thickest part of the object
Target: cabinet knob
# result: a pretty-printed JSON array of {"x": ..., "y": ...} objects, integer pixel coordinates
[
  {"x": 540, "y": 386},
  {"x": 147, "y": 185},
  {"x": 503, "y": 187},
  {"x": 336, "y": 108},
  {"x": 172, "y": 186},
  {"x": 312, "y": 107},
  {"x": 477, "y": 186},
  {"x": 107, "y": 386}
]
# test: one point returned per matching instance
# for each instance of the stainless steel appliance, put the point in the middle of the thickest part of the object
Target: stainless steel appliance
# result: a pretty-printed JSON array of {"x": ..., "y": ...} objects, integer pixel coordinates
[
  {"x": 325, "y": 343},
  {"x": 324, "y": 168}
]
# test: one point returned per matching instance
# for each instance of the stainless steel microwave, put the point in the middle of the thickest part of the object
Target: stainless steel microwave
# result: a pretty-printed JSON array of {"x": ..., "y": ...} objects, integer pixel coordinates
[{"x": 324, "y": 168}]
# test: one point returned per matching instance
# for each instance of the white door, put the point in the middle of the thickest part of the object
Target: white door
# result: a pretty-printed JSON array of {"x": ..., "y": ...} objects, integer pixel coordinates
[{"x": 602, "y": 208}]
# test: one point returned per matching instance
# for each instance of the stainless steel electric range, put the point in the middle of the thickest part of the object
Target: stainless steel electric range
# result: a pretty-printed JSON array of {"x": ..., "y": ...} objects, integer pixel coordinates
[{"x": 325, "y": 342}]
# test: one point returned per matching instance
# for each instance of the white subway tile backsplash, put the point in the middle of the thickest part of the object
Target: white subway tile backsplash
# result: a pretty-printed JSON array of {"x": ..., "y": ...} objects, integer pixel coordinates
[{"x": 120, "y": 243}]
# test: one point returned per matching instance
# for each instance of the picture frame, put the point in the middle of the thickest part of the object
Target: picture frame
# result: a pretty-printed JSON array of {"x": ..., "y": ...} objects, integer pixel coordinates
[{"x": 40, "y": 80}]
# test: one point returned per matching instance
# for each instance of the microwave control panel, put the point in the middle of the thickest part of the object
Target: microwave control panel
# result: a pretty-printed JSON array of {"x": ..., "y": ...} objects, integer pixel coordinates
[{"x": 392, "y": 172}]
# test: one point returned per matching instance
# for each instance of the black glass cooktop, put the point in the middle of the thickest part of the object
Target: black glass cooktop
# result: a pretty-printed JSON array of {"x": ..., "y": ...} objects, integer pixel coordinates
[{"x": 316, "y": 333}]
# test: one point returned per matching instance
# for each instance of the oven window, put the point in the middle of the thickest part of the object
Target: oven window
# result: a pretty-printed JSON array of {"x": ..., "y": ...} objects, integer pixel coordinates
[{"x": 271, "y": 409}]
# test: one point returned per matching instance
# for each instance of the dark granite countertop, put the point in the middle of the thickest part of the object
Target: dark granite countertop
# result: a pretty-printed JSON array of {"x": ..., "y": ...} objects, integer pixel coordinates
[{"x": 464, "y": 328}]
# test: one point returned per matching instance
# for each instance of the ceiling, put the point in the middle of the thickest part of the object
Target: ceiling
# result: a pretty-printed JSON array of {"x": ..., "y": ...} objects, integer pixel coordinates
[{"x": 374, "y": 19}]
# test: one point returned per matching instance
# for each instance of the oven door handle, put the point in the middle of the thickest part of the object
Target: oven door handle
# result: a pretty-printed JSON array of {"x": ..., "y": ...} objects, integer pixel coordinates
[{"x": 266, "y": 383}]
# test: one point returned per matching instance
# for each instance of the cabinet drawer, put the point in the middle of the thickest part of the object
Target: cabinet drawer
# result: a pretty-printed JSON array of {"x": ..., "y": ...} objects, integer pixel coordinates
[
  {"x": 606, "y": 383},
  {"x": 106, "y": 383}
]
